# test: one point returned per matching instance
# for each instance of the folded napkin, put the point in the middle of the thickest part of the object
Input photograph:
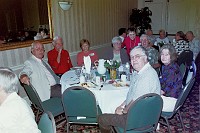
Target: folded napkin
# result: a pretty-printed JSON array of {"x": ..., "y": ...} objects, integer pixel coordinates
[{"x": 87, "y": 63}]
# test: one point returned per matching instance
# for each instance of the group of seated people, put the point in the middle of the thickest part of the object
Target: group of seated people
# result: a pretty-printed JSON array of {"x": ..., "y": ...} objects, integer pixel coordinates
[{"x": 144, "y": 58}]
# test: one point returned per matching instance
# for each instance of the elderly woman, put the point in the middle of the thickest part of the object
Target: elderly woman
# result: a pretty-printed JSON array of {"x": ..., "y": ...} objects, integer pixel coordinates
[
  {"x": 180, "y": 42},
  {"x": 170, "y": 78},
  {"x": 85, "y": 45},
  {"x": 15, "y": 114},
  {"x": 117, "y": 53}
]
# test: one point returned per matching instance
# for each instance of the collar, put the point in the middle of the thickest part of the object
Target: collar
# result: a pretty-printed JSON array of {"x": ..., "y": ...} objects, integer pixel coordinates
[
  {"x": 9, "y": 98},
  {"x": 39, "y": 60},
  {"x": 146, "y": 66}
]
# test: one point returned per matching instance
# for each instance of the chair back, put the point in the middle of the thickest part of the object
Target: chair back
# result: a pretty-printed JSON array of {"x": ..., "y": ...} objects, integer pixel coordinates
[
  {"x": 182, "y": 69},
  {"x": 47, "y": 123},
  {"x": 33, "y": 96},
  {"x": 79, "y": 102},
  {"x": 144, "y": 113},
  {"x": 184, "y": 94}
]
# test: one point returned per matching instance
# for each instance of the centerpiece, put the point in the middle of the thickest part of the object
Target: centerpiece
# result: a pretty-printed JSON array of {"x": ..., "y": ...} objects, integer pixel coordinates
[{"x": 112, "y": 66}]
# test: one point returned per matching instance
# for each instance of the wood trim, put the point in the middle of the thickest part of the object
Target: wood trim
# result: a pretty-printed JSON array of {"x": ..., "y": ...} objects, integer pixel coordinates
[{"x": 15, "y": 45}]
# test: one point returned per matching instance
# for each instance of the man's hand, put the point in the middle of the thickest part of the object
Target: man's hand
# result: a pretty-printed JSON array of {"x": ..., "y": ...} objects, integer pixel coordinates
[
  {"x": 119, "y": 110},
  {"x": 25, "y": 79}
]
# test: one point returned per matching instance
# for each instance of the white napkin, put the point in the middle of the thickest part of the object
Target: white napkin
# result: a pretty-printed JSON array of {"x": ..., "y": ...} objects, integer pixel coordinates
[{"x": 87, "y": 63}]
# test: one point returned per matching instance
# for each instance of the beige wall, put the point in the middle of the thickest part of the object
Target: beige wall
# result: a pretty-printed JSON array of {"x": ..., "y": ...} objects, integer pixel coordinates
[{"x": 96, "y": 20}]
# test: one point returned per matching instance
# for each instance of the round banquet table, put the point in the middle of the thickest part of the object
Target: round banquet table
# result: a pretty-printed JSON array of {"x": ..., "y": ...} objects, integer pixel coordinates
[{"x": 108, "y": 97}]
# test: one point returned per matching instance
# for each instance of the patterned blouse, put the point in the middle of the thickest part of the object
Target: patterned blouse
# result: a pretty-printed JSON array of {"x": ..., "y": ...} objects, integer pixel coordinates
[
  {"x": 171, "y": 80},
  {"x": 180, "y": 46}
]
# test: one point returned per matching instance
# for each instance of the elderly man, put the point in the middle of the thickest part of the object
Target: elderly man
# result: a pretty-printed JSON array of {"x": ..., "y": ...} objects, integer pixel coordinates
[
  {"x": 194, "y": 43},
  {"x": 58, "y": 58},
  {"x": 16, "y": 115},
  {"x": 144, "y": 80},
  {"x": 40, "y": 74},
  {"x": 152, "y": 52}
]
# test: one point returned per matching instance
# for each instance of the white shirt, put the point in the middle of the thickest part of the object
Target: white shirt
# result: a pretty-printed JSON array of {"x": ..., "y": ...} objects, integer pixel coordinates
[
  {"x": 158, "y": 40},
  {"x": 16, "y": 116},
  {"x": 144, "y": 82}
]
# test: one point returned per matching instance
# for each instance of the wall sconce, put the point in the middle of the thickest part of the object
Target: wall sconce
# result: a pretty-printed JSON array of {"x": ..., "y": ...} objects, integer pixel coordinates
[{"x": 65, "y": 5}]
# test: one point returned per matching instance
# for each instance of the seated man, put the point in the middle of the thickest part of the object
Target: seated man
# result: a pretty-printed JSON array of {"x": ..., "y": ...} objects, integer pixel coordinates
[
  {"x": 144, "y": 80},
  {"x": 58, "y": 58},
  {"x": 39, "y": 74},
  {"x": 16, "y": 115},
  {"x": 152, "y": 52},
  {"x": 194, "y": 43}
]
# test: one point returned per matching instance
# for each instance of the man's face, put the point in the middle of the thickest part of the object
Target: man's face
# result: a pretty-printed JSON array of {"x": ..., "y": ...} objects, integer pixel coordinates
[
  {"x": 144, "y": 42},
  {"x": 58, "y": 44},
  {"x": 189, "y": 36},
  {"x": 138, "y": 59},
  {"x": 38, "y": 50}
]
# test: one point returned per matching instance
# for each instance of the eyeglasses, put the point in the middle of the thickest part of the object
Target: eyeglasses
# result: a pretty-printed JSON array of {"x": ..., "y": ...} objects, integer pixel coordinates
[{"x": 136, "y": 57}]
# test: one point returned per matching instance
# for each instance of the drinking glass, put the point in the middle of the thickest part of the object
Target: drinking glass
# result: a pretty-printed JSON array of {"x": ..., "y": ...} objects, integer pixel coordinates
[
  {"x": 104, "y": 79},
  {"x": 78, "y": 72}
]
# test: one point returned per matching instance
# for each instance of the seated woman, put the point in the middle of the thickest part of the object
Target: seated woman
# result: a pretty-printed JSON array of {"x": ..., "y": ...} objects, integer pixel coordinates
[
  {"x": 117, "y": 53},
  {"x": 180, "y": 43},
  {"x": 170, "y": 78},
  {"x": 85, "y": 45}
]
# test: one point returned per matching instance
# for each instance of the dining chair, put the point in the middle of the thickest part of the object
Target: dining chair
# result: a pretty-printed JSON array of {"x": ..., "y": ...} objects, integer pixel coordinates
[
  {"x": 80, "y": 106},
  {"x": 143, "y": 115},
  {"x": 46, "y": 123},
  {"x": 166, "y": 116},
  {"x": 182, "y": 69},
  {"x": 54, "y": 105}
]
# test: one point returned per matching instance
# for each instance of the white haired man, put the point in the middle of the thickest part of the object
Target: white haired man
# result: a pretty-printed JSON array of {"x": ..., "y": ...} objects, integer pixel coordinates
[
  {"x": 58, "y": 58},
  {"x": 16, "y": 115},
  {"x": 144, "y": 77},
  {"x": 39, "y": 74}
]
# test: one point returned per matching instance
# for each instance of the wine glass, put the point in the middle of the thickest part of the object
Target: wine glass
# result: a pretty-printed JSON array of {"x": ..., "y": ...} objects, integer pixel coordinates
[{"x": 78, "y": 72}]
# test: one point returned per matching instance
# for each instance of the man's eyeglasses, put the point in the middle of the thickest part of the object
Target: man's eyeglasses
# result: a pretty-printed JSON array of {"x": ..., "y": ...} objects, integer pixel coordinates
[{"x": 136, "y": 57}]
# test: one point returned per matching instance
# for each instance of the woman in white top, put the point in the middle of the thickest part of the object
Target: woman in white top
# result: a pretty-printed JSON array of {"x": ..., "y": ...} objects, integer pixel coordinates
[{"x": 162, "y": 38}]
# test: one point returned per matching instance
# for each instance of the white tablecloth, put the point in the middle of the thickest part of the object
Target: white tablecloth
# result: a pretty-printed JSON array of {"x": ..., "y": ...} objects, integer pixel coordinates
[{"x": 108, "y": 98}]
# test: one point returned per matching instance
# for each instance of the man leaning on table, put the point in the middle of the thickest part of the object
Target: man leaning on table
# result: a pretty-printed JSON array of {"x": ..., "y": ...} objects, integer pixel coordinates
[
  {"x": 144, "y": 80},
  {"x": 39, "y": 74}
]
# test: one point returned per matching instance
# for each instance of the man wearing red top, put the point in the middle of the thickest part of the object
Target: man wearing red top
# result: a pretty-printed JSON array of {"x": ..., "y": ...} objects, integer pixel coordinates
[
  {"x": 58, "y": 58},
  {"x": 131, "y": 41}
]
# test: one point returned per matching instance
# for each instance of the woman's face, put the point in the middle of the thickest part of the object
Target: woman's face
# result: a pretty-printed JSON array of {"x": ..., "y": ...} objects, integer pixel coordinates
[
  {"x": 117, "y": 45},
  {"x": 85, "y": 47},
  {"x": 165, "y": 57},
  {"x": 132, "y": 35}
]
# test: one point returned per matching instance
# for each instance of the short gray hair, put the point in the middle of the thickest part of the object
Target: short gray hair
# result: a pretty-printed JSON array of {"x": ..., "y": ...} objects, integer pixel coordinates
[
  {"x": 55, "y": 39},
  {"x": 143, "y": 35},
  {"x": 116, "y": 39},
  {"x": 144, "y": 51},
  {"x": 33, "y": 44},
  {"x": 8, "y": 80}
]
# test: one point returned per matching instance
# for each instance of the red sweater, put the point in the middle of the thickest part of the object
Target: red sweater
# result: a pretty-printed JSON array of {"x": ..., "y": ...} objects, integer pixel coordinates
[
  {"x": 92, "y": 55},
  {"x": 65, "y": 61},
  {"x": 130, "y": 43}
]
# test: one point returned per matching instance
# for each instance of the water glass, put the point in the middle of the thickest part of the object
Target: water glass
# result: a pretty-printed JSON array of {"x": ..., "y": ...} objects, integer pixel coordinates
[
  {"x": 104, "y": 79},
  {"x": 78, "y": 72}
]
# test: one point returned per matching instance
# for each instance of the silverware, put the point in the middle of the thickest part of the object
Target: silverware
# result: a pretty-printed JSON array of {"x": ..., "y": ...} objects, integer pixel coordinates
[
  {"x": 94, "y": 83},
  {"x": 74, "y": 83}
]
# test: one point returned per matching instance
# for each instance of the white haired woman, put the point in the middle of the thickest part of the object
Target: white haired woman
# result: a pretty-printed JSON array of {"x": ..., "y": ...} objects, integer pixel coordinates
[{"x": 16, "y": 115}]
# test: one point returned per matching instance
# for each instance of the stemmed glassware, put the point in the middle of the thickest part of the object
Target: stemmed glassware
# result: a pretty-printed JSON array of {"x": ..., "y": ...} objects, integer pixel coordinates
[
  {"x": 78, "y": 72},
  {"x": 104, "y": 79}
]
